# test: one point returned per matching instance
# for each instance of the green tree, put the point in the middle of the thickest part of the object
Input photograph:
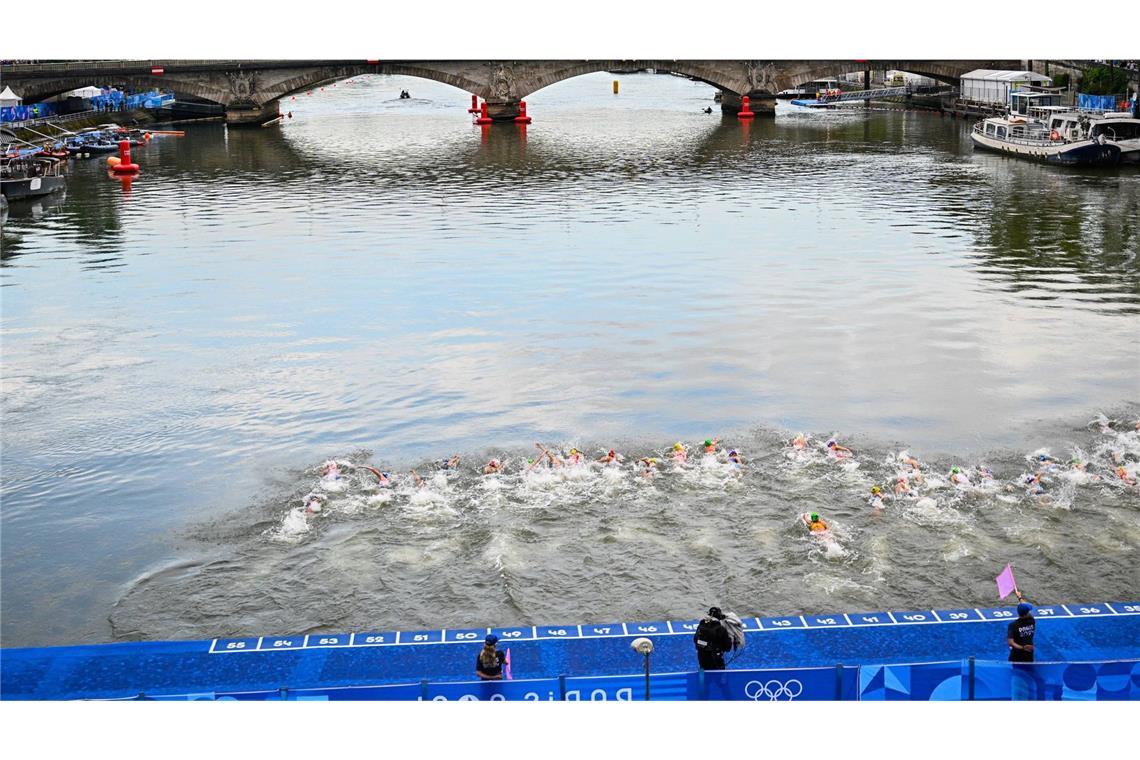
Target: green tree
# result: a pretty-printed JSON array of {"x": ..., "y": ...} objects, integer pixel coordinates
[{"x": 1103, "y": 80}]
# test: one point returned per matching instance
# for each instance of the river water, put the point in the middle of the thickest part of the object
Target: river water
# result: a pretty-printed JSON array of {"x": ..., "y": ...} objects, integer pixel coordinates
[{"x": 379, "y": 282}]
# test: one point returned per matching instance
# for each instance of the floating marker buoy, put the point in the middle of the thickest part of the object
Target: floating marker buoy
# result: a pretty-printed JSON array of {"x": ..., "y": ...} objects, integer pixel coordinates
[
  {"x": 483, "y": 117},
  {"x": 125, "y": 166},
  {"x": 745, "y": 110},
  {"x": 474, "y": 104},
  {"x": 615, "y": 87},
  {"x": 522, "y": 118}
]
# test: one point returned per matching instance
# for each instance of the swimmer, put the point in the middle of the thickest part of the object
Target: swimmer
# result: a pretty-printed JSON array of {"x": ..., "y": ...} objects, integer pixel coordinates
[
  {"x": 610, "y": 457},
  {"x": 907, "y": 459},
  {"x": 450, "y": 464},
  {"x": 384, "y": 478},
  {"x": 554, "y": 461},
  {"x": 1033, "y": 485},
  {"x": 959, "y": 478},
  {"x": 575, "y": 457},
  {"x": 1076, "y": 464},
  {"x": 420, "y": 482},
  {"x": 985, "y": 473},
  {"x": 492, "y": 467},
  {"x": 1125, "y": 475},
  {"x": 679, "y": 453},
  {"x": 876, "y": 501},
  {"x": 902, "y": 488},
  {"x": 650, "y": 466},
  {"x": 734, "y": 457},
  {"x": 313, "y": 504},
  {"x": 330, "y": 470},
  {"x": 710, "y": 445},
  {"x": 813, "y": 523},
  {"x": 800, "y": 441},
  {"x": 835, "y": 451}
]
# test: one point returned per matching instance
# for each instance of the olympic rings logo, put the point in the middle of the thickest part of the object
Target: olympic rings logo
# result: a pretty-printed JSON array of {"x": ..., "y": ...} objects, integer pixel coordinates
[{"x": 773, "y": 690}]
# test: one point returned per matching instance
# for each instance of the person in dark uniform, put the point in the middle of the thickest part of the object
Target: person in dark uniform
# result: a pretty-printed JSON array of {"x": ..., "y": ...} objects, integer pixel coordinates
[
  {"x": 489, "y": 661},
  {"x": 712, "y": 640},
  {"x": 1019, "y": 634}
]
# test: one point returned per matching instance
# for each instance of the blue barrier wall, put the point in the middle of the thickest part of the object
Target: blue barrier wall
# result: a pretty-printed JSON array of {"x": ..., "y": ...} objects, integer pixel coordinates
[{"x": 1066, "y": 633}]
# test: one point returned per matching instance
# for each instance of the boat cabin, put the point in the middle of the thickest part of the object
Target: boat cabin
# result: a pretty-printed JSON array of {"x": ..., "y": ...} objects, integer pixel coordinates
[{"x": 1021, "y": 101}]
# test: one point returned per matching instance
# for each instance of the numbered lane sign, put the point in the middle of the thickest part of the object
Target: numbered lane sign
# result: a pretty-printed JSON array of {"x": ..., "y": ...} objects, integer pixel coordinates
[
  {"x": 916, "y": 616},
  {"x": 959, "y": 616},
  {"x": 998, "y": 613},
  {"x": 1053, "y": 610},
  {"x": 466, "y": 634},
  {"x": 320, "y": 640},
  {"x": 1127, "y": 608},
  {"x": 781, "y": 623},
  {"x": 278, "y": 643},
  {"x": 825, "y": 621},
  {"x": 608, "y": 629},
  {"x": 557, "y": 631},
  {"x": 870, "y": 618},
  {"x": 1084, "y": 610},
  {"x": 420, "y": 637},
  {"x": 373, "y": 639},
  {"x": 513, "y": 634},
  {"x": 647, "y": 629},
  {"x": 235, "y": 645},
  {"x": 685, "y": 626}
]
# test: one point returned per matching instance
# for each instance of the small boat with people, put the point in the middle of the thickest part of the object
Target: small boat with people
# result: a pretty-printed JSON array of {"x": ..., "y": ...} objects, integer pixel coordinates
[
  {"x": 30, "y": 177},
  {"x": 1032, "y": 139},
  {"x": 808, "y": 90}
]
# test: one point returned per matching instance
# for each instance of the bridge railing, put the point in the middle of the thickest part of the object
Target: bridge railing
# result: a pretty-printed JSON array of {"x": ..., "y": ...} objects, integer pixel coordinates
[{"x": 953, "y": 680}]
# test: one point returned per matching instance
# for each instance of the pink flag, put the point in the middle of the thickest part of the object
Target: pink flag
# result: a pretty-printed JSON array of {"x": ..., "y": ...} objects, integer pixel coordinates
[
  {"x": 507, "y": 665},
  {"x": 1005, "y": 582}
]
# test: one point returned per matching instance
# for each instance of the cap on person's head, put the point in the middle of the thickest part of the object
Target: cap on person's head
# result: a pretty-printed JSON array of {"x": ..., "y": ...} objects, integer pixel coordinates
[
  {"x": 491, "y": 639},
  {"x": 831, "y": 443},
  {"x": 1024, "y": 608},
  {"x": 955, "y": 469},
  {"x": 677, "y": 446},
  {"x": 732, "y": 453},
  {"x": 815, "y": 517},
  {"x": 716, "y": 613},
  {"x": 875, "y": 489},
  {"x": 708, "y": 441}
]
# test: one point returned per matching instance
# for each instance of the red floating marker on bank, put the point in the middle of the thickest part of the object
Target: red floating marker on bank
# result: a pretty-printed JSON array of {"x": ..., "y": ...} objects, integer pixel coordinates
[
  {"x": 745, "y": 109},
  {"x": 522, "y": 118},
  {"x": 483, "y": 117},
  {"x": 474, "y": 104}
]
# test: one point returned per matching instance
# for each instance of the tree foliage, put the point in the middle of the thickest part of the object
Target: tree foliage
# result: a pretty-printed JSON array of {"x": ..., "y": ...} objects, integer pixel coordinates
[{"x": 1104, "y": 80}]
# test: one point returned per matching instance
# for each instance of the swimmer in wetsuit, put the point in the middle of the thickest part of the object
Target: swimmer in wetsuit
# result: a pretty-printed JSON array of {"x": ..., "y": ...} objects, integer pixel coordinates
[
  {"x": 710, "y": 445},
  {"x": 959, "y": 478}
]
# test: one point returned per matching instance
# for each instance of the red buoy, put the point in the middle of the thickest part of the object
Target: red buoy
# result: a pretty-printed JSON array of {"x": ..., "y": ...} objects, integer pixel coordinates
[
  {"x": 474, "y": 104},
  {"x": 522, "y": 118},
  {"x": 745, "y": 110},
  {"x": 125, "y": 166},
  {"x": 483, "y": 117}
]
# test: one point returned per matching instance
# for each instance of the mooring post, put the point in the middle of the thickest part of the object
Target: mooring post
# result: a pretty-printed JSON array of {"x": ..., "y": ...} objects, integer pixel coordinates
[{"x": 867, "y": 86}]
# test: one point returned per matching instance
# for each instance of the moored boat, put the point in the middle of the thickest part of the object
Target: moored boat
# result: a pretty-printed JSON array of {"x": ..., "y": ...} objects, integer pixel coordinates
[
  {"x": 30, "y": 177},
  {"x": 1033, "y": 140}
]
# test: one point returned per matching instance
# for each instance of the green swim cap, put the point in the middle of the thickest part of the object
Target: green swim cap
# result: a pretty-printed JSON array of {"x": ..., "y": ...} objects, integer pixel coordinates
[
  {"x": 955, "y": 469},
  {"x": 814, "y": 517},
  {"x": 708, "y": 441},
  {"x": 530, "y": 460}
]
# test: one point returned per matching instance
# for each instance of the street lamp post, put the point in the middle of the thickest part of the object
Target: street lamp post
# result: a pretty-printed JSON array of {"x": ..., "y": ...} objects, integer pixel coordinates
[{"x": 644, "y": 646}]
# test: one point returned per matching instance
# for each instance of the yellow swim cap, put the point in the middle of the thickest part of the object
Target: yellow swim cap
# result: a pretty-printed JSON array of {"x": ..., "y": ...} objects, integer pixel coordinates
[{"x": 677, "y": 446}]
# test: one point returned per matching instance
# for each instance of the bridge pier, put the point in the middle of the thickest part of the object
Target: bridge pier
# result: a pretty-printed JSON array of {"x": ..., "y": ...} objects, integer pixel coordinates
[
  {"x": 763, "y": 104},
  {"x": 503, "y": 110},
  {"x": 251, "y": 114}
]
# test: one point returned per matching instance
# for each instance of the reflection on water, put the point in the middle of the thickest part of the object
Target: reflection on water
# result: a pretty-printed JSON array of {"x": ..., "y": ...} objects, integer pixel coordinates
[{"x": 379, "y": 274}]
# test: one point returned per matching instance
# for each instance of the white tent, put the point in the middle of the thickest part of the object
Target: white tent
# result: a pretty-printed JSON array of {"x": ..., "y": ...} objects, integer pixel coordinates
[
  {"x": 994, "y": 85},
  {"x": 9, "y": 98},
  {"x": 83, "y": 92}
]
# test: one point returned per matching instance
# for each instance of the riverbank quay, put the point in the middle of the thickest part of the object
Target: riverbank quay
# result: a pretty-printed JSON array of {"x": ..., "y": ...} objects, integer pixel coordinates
[
  {"x": 1084, "y": 651},
  {"x": 27, "y": 131}
]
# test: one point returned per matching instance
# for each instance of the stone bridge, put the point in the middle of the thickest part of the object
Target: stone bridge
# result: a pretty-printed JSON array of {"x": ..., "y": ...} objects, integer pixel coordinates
[{"x": 250, "y": 89}]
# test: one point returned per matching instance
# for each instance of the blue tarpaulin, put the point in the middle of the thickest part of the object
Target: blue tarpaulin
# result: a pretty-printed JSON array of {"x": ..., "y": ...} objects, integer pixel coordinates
[{"x": 1096, "y": 102}]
